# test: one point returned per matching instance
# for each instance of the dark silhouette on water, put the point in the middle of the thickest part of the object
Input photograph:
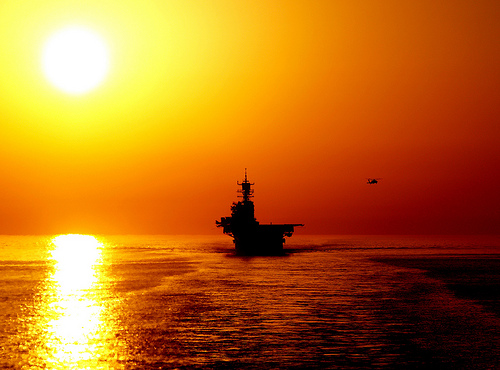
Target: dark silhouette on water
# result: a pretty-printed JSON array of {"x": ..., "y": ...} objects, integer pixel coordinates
[{"x": 249, "y": 236}]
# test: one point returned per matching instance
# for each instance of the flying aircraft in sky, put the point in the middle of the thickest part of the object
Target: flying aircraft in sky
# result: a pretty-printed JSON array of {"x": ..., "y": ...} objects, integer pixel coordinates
[{"x": 373, "y": 181}]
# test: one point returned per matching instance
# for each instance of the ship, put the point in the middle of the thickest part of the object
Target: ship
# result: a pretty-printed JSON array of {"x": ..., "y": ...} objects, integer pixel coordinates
[{"x": 250, "y": 237}]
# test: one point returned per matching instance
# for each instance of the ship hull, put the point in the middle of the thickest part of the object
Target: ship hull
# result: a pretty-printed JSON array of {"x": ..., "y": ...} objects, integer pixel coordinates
[
  {"x": 258, "y": 247},
  {"x": 263, "y": 240}
]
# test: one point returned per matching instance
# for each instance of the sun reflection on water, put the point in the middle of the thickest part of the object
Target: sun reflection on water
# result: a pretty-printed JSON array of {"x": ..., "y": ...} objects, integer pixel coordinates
[
  {"x": 72, "y": 320},
  {"x": 76, "y": 258}
]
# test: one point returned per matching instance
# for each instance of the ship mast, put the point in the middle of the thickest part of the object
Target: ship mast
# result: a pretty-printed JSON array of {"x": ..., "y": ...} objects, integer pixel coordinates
[{"x": 246, "y": 188}]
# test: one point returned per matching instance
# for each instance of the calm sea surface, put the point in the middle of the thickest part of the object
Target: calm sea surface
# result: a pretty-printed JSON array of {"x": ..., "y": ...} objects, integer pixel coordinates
[{"x": 151, "y": 302}]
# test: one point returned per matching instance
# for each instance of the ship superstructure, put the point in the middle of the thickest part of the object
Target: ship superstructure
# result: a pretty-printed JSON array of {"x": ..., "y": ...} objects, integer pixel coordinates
[{"x": 249, "y": 236}]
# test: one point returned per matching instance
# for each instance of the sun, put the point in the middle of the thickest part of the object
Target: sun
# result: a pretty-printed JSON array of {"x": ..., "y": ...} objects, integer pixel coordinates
[{"x": 75, "y": 59}]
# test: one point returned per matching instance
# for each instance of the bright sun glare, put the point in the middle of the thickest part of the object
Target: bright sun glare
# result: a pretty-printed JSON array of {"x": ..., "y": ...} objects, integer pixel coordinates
[
  {"x": 76, "y": 257},
  {"x": 75, "y": 59}
]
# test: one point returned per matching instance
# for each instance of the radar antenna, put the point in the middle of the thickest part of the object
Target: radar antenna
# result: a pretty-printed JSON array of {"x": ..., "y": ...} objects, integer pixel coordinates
[{"x": 246, "y": 188}]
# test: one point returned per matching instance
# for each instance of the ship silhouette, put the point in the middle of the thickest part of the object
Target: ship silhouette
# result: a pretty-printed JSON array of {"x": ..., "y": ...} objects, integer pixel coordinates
[{"x": 249, "y": 236}]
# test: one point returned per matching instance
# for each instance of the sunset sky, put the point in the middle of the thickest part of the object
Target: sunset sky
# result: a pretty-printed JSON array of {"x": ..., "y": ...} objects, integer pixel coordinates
[{"x": 313, "y": 97}]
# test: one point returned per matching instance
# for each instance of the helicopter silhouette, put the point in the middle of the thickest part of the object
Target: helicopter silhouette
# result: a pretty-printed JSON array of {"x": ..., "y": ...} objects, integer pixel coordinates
[{"x": 373, "y": 181}]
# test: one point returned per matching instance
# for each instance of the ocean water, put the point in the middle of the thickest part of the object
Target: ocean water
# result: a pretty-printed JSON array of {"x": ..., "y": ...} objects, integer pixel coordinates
[{"x": 167, "y": 302}]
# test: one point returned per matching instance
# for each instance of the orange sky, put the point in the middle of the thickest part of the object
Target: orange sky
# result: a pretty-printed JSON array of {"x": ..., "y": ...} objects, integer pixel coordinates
[{"x": 312, "y": 97}]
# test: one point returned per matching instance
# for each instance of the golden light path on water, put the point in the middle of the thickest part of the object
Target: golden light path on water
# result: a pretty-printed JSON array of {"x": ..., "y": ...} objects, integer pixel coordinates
[
  {"x": 72, "y": 316},
  {"x": 77, "y": 316}
]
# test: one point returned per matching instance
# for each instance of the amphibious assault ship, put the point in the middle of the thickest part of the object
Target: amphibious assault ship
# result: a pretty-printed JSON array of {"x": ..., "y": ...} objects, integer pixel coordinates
[{"x": 249, "y": 236}]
